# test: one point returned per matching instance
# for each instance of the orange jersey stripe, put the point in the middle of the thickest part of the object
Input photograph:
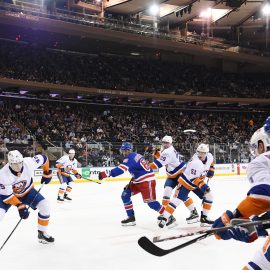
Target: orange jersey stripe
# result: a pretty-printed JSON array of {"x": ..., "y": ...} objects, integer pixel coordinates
[
  {"x": 253, "y": 206},
  {"x": 185, "y": 184},
  {"x": 12, "y": 200},
  {"x": 266, "y": 244},
  {"x": 153, "y": 166},
  {"x": 46, "y": 165}
]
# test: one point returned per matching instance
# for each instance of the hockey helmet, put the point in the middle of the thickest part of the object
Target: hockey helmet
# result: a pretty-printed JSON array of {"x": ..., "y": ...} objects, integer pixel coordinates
[
  {"x": 71, "y": 153},
  {"x": 167, "y": 139},
  {"x": 202, "y": 151},
  {"x": 15, "y": 160},
  {"x": 126, "y": 146},
  {"x": 259, "y": 135}
]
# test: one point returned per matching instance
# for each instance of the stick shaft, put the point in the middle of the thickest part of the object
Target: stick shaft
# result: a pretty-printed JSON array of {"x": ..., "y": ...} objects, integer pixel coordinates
[{"x": 20, "y": 219}]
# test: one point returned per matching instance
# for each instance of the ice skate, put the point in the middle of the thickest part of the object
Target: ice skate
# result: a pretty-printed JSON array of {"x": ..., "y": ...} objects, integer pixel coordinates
[
  {"x": 60, "y": 200},
  {"x": 171, "y": 222},
  {"x": 193, "y": 218},
  {"x": 66, "y": 197},
  {"x": 44, "y": 238},
  {"x": 130, "y": 221},
  {"x": 205, "y": 221}
]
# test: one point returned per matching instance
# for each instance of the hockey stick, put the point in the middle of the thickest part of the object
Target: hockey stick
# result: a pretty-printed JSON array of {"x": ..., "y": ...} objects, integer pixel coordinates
[
  {"x": 157, "y": 239},
  {"x": 91, "y": 180},
  {"x": 21, "y": 218},
  {"x": 153, "y": 249}
]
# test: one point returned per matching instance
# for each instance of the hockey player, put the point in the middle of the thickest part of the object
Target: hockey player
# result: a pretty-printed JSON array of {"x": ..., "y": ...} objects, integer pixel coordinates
[
  {"x": 150, "y": 153},
  {"x": 208, "y": 162},
  {"x": 192, "y": 178},
  {"x": 256, "y": 203},
  {"x": 66, "y": 165},
  {"x": 170, "y": 158},
  {"x": 143, "y": 181},
  {"x": 17, "y": 189}
]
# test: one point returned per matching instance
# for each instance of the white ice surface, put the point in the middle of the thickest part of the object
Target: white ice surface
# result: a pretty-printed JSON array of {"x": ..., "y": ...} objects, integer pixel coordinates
[{"x": 89, "y": 235}]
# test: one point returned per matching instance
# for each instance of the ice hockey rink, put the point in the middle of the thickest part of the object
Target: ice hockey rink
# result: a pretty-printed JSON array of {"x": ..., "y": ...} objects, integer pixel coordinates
[{"x": 88, "y": 234}]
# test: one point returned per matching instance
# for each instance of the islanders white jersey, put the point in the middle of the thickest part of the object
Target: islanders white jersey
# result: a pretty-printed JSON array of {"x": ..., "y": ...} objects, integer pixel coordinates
[
  {"x": 258, "y": 170},
  {"x": 22, "y": 183},
  {"x": 170, "y": 158},
  {"x": 207, "y": 164},
  {"x": 67, "y": 164},
  {"x": 193, "y": 174}
]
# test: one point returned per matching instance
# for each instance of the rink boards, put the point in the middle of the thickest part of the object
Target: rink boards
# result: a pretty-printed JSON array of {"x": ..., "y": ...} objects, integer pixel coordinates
[{"x": 231, "y": 169}]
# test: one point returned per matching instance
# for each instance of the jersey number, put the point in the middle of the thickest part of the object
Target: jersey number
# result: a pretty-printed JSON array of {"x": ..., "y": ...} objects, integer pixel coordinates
[
  {"x": 144, "y": 164},
  {"x": 193, "y": 171}
]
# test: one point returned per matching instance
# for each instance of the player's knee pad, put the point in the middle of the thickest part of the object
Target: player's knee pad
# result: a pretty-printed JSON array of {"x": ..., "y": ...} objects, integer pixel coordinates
[
  {"x": 167, "y": 191},
  {"x": 177, "y": 201},
  {"x": 126, "y": 194},
  {"x": 44, "y": 207},
  {"x": 70, "y": 184},
  {"x": 63, "y": 186},
  {"x": 172, "y": 183},
  {"x": 155, "y": 205},
  {"x": 209, "y": 196},
  {"x": 2, "y": 213}
]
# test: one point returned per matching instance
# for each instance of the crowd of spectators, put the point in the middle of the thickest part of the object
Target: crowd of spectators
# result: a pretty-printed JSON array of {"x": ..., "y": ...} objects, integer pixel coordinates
[
  {"x": 85, "y": 127},
  {"x": 35, "y": 63}
]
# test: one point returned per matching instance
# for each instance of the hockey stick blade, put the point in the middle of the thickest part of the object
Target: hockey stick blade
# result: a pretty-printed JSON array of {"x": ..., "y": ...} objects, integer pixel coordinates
[
  {"x": 87, "y": 179},
  {"x": 153, "y": 249},
  {"x": 157, "y": 239}
]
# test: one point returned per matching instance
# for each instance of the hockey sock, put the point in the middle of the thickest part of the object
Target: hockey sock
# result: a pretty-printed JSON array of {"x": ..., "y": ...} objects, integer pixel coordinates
[
  {"x": 155, "y": 205},
  {"x": 61, "y": 192},
  {"x": 189, "y": 204}
]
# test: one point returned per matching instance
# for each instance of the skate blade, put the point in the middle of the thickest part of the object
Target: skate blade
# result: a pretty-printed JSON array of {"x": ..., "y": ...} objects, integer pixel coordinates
[
  {"x": 195, "y": 220},
  {"x": 42, "y": 241},
  {"x": 206, "y": 225},
  {"x": 172, "y": 225},
  {"x": 129, "y": 224},
  {"x": 59, "y": 201}
]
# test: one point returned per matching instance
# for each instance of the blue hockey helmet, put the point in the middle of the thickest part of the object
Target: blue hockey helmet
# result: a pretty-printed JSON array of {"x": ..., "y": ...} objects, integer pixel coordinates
[{"x": 126, "y": 146}]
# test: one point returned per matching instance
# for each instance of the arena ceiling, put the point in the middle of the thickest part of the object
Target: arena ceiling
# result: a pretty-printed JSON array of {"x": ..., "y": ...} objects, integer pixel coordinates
[{"x": 217, "y": 15}]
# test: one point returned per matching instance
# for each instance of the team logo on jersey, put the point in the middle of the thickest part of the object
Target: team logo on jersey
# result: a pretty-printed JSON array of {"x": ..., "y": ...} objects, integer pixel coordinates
[
  {"x": 68, "y": 168},
  {"x": 19, "y": 187},
  {"x": 36, "y": 159}
]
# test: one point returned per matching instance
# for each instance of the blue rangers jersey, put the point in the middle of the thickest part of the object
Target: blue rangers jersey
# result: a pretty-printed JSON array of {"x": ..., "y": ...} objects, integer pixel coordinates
[{"x": 137, "y": 166}]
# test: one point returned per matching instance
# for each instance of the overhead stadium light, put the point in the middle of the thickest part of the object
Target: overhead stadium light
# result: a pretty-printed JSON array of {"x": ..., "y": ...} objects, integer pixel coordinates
[
  {"x": 189, "y": 131},
  {"x": 266, "y": 10},
  {"x": 154, "y": 10},
  {"x": 206, "y": 13}
]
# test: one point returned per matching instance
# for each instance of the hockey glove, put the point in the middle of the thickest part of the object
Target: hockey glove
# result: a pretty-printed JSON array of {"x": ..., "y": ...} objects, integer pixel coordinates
[
  {"x": 246, "y": 234},
  {"x": 46, "y": 177},
  {"x": 223, "y": 221},
  {"x": 103, "y": 175},
  {"x": 23, "y": 211},
  {"x": 78, "y": 176},
  {"x": 210, "y": 174}
]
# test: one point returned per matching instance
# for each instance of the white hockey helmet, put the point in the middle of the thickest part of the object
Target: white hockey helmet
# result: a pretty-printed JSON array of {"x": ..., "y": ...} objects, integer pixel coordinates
[
  {"x": 167, "y": 139},
  {"x": 259, "y": 136},
  {"x": 15, "y": 160},
  {"x": 202, "y": 151},
  {"x": 204, "y": 148},
  {"x": 71, "y": 153}
]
